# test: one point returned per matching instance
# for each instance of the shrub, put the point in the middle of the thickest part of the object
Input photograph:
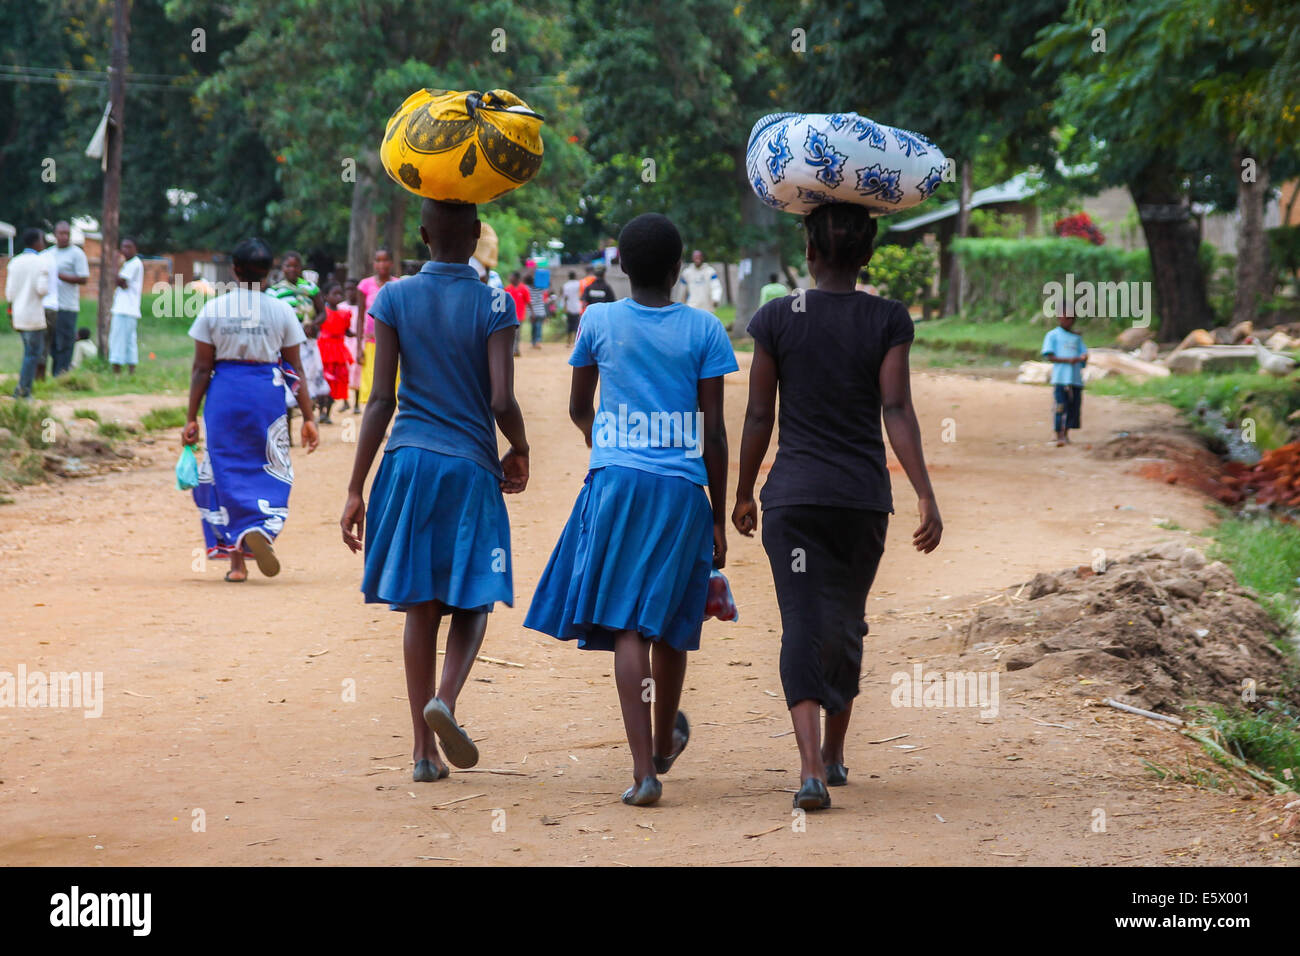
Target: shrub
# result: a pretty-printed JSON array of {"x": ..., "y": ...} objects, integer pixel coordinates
[
  {"x": 904, "y": 273},
  {"x": 1007, "y": 276}
]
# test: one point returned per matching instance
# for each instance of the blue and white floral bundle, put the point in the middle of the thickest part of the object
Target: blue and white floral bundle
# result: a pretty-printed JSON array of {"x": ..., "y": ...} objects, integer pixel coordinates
[{"x": 799, "y": 161}]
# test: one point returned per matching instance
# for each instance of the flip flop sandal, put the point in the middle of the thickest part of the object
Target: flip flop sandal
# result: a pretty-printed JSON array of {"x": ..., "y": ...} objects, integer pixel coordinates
[
  {"x": 837, "y": 775},
  {"x": 812, "y": 795},
  {"x": 236, "y": 580},
  {"x": 456, "y": 744},
  {"x": 643, "y": 794},
  {"x": 266, "y": 560},
  {"x": 427, "y": 772},
  {"x": 682, "y": 728}
]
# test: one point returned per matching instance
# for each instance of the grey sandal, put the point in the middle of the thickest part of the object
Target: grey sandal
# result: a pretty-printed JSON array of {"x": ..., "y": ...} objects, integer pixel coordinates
[{"x": 456, "y": 744}]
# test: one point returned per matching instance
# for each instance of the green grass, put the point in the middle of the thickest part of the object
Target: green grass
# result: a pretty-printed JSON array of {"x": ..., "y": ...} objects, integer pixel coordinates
[
  {"x": 1234, "y": 395},
  {"x": 166, "y": 337},
  {"x": 1264, "y": 553},
  {"x": 160, "y": 418},
  {"x": 29, "y": 425},
  {"x": 1268, "y": 737},
  {"x": 113, "y": 431},
  {"x": 88, "y": 413}
]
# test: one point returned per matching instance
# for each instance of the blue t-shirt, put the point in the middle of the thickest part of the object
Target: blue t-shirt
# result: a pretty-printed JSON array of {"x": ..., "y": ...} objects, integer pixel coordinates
[
  {"x": 443, "y": 316},
  {"x": 651, "y": 362},
  {"x": 1065, "y": 344}
]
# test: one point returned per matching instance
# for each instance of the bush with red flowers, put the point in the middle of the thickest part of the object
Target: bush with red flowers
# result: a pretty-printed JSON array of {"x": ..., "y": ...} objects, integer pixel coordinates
[{"x": 1081, "y": 226}]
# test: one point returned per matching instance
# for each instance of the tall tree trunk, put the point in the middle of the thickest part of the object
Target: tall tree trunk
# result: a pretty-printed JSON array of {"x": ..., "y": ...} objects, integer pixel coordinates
[
  {"x": 956, "y": 277},
  {"x": 1253, "y": 285},
  {"x": 363, "y": 227},
  {"x": 115, "y": 138},
  {"x": 395, "y": 227},
  {"x": 1173, "y": 242},
  {"x": 761, "y": 247}
]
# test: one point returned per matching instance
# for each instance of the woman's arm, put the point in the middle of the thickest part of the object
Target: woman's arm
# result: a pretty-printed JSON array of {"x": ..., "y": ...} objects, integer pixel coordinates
[
  {"x": 205, "y": 355},
  {"x": 760, "y": 416},
  {"x": 582, "y": 399},
  {"x": 505, "y": 409},
  {"x": 374, "y": 424},
  {"x": 310, "y": 436},
  {"x": 714, "y": 442},
  {"x": 905, "y": 438}
]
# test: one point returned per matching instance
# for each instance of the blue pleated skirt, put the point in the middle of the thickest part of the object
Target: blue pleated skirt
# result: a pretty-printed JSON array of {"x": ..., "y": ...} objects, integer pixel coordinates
[
  {"x": 436, "y": 530},
  {"x": 635, "y": 555}
]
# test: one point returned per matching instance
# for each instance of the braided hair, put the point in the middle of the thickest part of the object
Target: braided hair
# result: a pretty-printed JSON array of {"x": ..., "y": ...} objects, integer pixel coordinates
[{"x": 841, "y": 233}]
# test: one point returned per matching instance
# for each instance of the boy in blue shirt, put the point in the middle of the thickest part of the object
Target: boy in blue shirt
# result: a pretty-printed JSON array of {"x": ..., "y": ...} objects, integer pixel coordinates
[{"x": 1068, "y": 355}]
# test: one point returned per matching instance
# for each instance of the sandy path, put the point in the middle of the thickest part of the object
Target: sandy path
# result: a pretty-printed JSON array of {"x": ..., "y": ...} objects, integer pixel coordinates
[{"x": 229, "y": 700}]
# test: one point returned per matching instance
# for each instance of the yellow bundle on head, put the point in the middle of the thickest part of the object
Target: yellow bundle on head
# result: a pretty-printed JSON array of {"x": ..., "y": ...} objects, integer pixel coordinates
[{"x": 462, "y": 146}]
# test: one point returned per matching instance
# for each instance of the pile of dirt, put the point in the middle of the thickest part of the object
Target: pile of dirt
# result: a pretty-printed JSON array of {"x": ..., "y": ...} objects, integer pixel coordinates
[
  {"x": 1176, "y": 458},
  {"x": 1162, "y": 629},
  {"x": 84, "y": 457}
]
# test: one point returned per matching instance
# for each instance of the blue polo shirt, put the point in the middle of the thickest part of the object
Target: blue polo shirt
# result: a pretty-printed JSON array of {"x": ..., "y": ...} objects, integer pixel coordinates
[
  {"x": 651, "y": 362},
  {"x": 443, "y": 317}
]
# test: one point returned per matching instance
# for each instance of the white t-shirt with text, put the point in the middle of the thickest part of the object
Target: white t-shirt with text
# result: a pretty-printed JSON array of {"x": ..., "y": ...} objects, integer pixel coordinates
[{"x": 247, "y": 326}]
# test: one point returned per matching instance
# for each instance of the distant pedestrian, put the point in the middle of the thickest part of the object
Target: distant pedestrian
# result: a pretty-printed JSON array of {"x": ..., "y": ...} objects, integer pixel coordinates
[
  {"x": 699, "y": 284},
  {"x": 571, "y": 292},
  {"x": 1067, "y": 353},
  {"x": 71, "y": 271},
  {"x": 774, "y": 289},
  {"x": 122, "y": 338},
  {"x": 26, "y": 283},
  {"x": 598, "y": 290}
]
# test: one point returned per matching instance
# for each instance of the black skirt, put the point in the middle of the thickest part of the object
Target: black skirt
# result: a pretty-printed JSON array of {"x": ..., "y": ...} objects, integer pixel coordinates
[{"x": 823, "y": 562}]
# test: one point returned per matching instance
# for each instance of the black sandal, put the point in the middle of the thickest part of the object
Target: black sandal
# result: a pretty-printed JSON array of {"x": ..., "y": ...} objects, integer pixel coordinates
[
  {"x": 681, "y": 726},
  {"x": 456, "y": 744},
  {"x": 643, "y": 794},
  {"x": 427, "y": 772},
  {"x": 837, "y": 775},
  {"x": 812, "y": 796}
]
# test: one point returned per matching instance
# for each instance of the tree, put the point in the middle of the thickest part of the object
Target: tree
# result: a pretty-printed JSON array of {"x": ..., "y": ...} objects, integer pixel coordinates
[
  {"x": 1253, "y": 100},
  {"x": 672, "y": 90},
  {"x": 1129, "y": 78},
  {"x": 320, "y": 82},
  {"x": 963, "y": 81}
]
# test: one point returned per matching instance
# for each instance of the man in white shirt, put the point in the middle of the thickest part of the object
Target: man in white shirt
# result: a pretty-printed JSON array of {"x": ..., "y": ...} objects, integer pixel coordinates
[
  {"x": 122, "y": 348},
  {"x": 26, "y": 283},
  {"x": 73, "y": 273},
  {"x": 700, "y": 284},
  {"x": 571, "y": 292}
]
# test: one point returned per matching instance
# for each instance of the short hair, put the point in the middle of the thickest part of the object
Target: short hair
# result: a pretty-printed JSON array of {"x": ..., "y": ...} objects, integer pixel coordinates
[
  {"x": 331, "y": 286},
  {"x": 291, "y": 254},
  {"x": 83, "y": 333},
  {"x": 448, "y": 218},
  {"x": 126, "y": 239},
  {"x": 31, "y": 236},
  {"x": 842, "y": 233},
  {"x": 64, "y": 223},
  {"x": 384, "y": 250},
  {"x": 514, "y": 277},
  {"x": 572, "y": 274},
  {"x": 772, "y": 277},
  {"x": 251, "y": 259},
  {"x": 650, "y": 248}
]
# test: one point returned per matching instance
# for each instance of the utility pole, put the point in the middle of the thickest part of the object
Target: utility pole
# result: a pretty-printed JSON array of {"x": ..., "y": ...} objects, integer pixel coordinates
[{"x": 108, "y": 225}]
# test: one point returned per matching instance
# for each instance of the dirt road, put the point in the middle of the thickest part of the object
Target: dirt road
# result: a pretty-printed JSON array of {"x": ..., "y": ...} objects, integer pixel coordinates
[{"x": 225, "y": 705}]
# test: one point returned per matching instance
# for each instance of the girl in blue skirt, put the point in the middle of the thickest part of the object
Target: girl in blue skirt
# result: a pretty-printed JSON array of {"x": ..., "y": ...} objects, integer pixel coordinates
[
  {"x": 631, "y": 570},
  {"x": 437, "y": 538}
]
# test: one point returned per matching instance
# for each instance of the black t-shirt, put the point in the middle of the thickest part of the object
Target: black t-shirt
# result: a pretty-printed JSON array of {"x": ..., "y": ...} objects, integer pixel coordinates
[
  {"x": 598, "y": 291},
  {"x": 831, "y": 449}
]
